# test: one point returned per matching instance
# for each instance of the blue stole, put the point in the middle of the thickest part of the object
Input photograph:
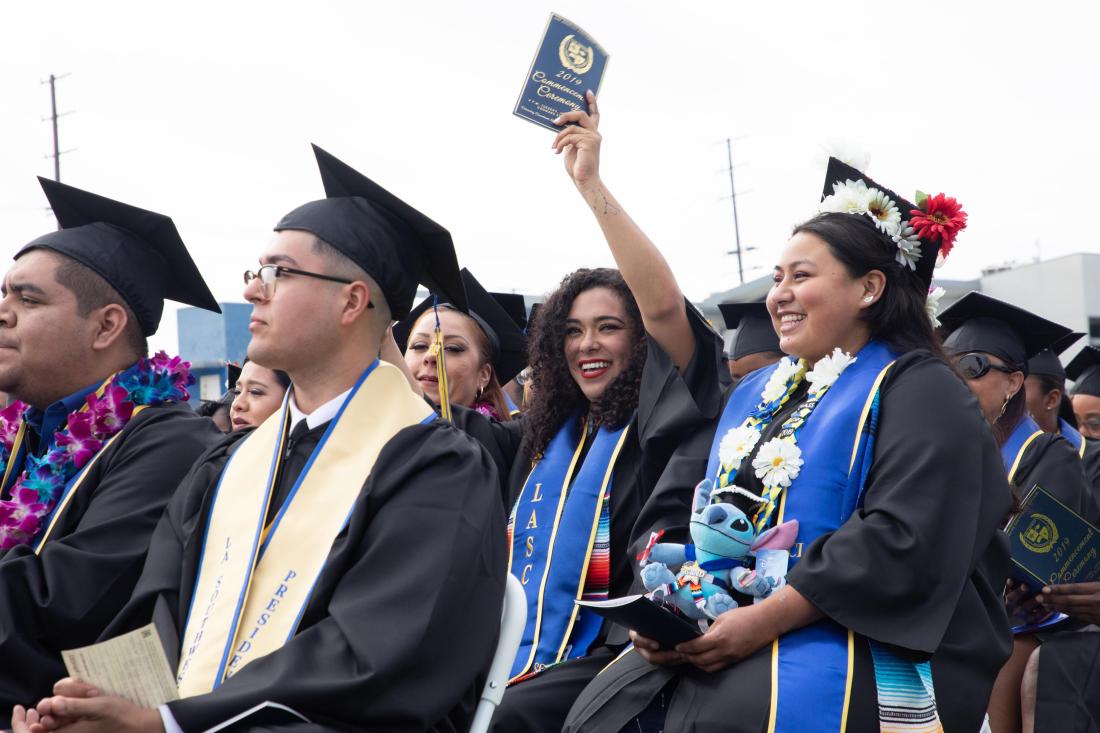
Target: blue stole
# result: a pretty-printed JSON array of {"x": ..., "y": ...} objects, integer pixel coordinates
[
  {"x": 815, "y": 663},
  {"x": 1070, "y": 433},
  {"x": 555, "y": 521},
  {"x": 1013, "y": 450}
]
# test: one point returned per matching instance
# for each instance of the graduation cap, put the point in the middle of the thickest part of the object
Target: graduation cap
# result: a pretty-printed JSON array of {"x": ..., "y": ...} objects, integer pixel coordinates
[
  {"x": 1084, "y": 370},
  {"x": 983, "y": 323},
  {"x": 506, "y": 340},
  {"x": 514, "y": 304},
  {"x": 139, "y": 253},
  {"x": 839, "y": 172},
  {"x": 755, "y": 332},
  {"x": 233, "y": 374},
  {"x": 393, "y": 242},
  {"x": 1047, "y": 363}
]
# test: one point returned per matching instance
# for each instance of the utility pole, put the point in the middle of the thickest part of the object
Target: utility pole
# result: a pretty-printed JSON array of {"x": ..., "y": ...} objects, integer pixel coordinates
[
  {"x": 736, "y": 226},
  {"x": 57, "y": 151}
]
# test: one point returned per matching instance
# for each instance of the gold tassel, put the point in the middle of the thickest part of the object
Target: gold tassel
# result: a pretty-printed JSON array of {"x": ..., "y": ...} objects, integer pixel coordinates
[{"x": 437, "y": 351}]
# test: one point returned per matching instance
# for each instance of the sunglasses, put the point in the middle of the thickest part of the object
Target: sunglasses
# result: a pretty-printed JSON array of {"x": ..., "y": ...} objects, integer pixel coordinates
[{"x": 976, "y": 366}]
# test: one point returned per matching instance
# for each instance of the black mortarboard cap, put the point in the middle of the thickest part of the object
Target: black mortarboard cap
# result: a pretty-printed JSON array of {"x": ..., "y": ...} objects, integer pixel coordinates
[
  {"x": 755, "y": 332},
  {"x": 979, "y": 322},
  {"x": 1047, "y": 363},
  {"x": 838, "y": 172},
  {"x": 515, "y": 305},
  {"x": 232, "y": 374},
  {"x": 1084, "y": 370},
  {"x": 506, "y": 339},
  {"x": 393, "y": 242},
  {"x": 139, "y": 253}
]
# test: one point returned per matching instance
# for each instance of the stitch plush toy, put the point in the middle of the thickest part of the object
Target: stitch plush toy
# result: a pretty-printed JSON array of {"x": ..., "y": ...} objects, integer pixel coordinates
[{"x": 698, "y": 578}]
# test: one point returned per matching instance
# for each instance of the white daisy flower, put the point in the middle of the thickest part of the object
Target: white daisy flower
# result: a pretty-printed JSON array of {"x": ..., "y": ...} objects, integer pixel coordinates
[
  {"x": 735, "y": 445},
  {"x": 828, "y": 369},
  {"x": 932, "y": 305},
  {"x": 778, "y": 462},
  {"x": 848, "y": 197},
  {"x": 908, "y": 246},
  {"x": 883, "y": 212},
  {"x": 777, "y": 382}
]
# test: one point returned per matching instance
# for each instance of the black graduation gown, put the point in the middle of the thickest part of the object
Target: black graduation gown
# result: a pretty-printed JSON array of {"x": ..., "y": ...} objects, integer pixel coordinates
[
  {"x": 1066, "y": 696},
  {"x": 67, "y": 595},
  {"x": 667, "y": 410},
  {"x": 399, "y": 630},
  {"x": 920, "y": 568},
  {"x": 1052, "y": 462},
  {"x": 1091, "y": 464}
]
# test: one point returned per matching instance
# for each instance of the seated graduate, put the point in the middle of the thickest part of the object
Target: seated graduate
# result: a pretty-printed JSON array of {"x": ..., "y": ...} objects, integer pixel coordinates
[
  {"x": 375, "y": 600},
  {"x": 218, "y": 410},
  {"x": 1047, "y": 399},
  {"x": 257, "y": 394},
  {"x": 890, "y": 613},
  {"x": 605, "y": 411},
  {"x": 755, "y": 344},
  {"x": 1084, "y": 370},
  {"x": 89, "y": 466},
  {"x": 484, "y": 349},
  {"x": 991, "y": 342}
]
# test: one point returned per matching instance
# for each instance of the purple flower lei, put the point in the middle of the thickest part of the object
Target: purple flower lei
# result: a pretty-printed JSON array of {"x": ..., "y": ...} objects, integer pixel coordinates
[{"x": 156, "y": 381}]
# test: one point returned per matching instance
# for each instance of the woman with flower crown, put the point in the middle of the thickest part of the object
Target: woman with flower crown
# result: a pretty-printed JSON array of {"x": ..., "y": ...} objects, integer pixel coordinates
[{"x": 889, "y": 614}]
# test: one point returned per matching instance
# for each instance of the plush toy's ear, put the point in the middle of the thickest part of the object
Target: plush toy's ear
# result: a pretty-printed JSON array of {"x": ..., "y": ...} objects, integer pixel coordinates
[
  {"x": 702, "y": 495},
  {"x": 777, "y": 538}
]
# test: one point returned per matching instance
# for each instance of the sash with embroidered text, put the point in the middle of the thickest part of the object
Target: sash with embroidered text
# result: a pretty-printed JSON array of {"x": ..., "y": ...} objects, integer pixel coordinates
[
  {"x": 558, "y": 540},
  {"x": 253, "y": 582}
]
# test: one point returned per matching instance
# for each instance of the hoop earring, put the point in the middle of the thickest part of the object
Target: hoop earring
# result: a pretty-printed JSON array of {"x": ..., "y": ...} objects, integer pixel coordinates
[{"x": 1003, "y": 408}]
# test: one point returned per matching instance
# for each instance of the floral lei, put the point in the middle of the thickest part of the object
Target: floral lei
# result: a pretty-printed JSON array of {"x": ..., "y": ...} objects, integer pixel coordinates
[
  {"x": 779, "y": 461},
  {"x": 34, "y": 495}
]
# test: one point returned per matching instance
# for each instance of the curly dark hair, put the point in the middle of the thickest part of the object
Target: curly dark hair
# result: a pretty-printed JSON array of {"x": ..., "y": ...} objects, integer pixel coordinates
[{"x": 556, "y": 396}]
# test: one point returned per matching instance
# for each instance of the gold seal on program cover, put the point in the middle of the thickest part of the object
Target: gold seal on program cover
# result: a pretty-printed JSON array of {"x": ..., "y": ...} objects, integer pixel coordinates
[
  {"x": 1040, "y": 533},
  {"x": 574, "y": 55}
]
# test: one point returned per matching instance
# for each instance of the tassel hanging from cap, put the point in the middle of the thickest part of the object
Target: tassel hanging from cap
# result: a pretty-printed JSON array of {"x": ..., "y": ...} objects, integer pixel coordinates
[{"x": 438, "y": 352}]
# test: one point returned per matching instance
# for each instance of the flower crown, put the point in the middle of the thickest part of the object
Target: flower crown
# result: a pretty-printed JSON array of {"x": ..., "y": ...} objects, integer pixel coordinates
[{"x": 935, "y": 219}]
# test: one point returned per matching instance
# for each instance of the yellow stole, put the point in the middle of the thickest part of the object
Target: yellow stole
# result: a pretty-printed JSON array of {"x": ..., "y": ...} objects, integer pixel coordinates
[{"x": 253, "y": 582}]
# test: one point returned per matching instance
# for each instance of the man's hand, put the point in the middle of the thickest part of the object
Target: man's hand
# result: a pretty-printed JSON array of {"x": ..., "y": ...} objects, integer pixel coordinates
[
  {"x": 581, "y": 144},
  {"x": 77, "y": 707},
  {"x": 1079, "y": 600}
]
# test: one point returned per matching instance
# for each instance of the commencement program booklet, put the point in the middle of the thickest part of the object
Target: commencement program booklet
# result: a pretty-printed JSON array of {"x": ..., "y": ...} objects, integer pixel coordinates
[
  {"x": 132, "y": 666},
  {"x": 567, "y": 64},
  {"x": 647, "y": 617},
  {"x": 1050, "y": 544}
]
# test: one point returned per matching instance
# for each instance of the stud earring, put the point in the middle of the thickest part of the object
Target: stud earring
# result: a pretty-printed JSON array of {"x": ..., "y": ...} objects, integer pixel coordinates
[{"x": 868, "y": 299}]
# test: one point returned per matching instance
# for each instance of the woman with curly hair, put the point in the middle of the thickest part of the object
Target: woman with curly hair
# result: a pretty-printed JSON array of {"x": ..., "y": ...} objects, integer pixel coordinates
[
  {"x": 884, "y": 612},
  {"x": 610, "y": 352}
]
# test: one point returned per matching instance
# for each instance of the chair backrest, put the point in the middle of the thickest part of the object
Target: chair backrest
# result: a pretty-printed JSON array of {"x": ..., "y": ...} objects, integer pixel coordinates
[{"x": 512, "y": 620}]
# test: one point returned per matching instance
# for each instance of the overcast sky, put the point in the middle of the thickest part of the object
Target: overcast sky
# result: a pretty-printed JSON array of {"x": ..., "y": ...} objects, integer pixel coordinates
[{"x": 205, "y": 110}]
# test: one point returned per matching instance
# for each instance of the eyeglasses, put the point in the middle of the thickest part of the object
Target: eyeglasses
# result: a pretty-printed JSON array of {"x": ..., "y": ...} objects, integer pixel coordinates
[
  {"x": 976, "y": 366},
  {"x": 268, "y": 274}
]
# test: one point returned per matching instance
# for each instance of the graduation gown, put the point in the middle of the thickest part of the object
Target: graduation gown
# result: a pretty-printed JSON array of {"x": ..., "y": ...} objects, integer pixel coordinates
[
  {"x": 919, "y": 568},
  {"x": 400, "y": 627},
  {"x": 64, "y": 597},
  {"x": 1091, "y": 464},
  {"x": 668, "y": 408},
  {"x": 1052, "y": 462}
]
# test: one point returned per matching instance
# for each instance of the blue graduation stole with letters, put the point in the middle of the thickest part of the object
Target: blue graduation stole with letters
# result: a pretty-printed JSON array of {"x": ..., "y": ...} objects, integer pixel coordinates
[
  {"x": 554, "y": 525},
  {"x": 815, "y": 663},
  {"x": 1012, "y": 452}
]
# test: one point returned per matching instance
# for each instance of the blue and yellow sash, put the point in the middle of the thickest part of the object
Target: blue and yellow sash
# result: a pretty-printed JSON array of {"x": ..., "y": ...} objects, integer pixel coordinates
[
  {"x": 1012, "y": 452},
  {"x": 254, "y": 581},
  {"x": 1075, "y": 438},
  {"x": 554, "y": 527}
]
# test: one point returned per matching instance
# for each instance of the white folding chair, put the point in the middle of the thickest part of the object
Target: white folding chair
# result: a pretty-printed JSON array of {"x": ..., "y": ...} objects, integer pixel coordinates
[{"x": 512, "y": 620}]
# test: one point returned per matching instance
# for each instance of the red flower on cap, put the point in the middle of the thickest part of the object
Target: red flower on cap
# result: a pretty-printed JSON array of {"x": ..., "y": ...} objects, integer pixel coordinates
[{"x": 940, "y": 220}]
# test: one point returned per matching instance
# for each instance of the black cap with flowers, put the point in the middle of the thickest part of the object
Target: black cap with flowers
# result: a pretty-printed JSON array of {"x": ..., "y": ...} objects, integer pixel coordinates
[{"x": 923, "y": 233}]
